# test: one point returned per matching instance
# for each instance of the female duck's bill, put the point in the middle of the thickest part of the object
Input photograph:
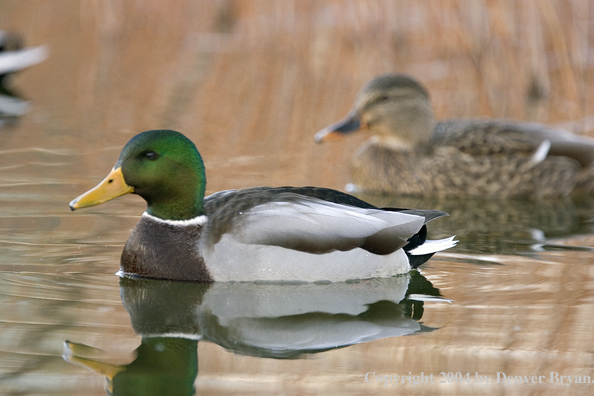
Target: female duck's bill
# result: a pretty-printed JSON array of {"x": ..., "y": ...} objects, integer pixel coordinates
[{"x": 302, "y": 234}]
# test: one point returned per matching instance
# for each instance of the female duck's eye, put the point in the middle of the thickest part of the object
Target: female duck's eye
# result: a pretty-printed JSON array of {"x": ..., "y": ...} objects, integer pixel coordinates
[{"x": 150, "y": 155}]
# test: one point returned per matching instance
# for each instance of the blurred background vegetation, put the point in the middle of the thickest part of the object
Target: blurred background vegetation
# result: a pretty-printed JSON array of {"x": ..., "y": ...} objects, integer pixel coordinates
[{"x": 260, "y": 77}]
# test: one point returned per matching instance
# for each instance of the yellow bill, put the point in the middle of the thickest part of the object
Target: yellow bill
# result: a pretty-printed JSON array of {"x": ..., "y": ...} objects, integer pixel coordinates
[{"x": 111, "y": 187}]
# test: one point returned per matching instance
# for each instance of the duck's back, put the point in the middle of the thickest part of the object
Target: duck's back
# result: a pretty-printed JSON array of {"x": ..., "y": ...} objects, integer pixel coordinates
[
  {"x": 501, "y": 137},
  {"x": 486, "y": 137},
  {"x": 482, "y": 158}
]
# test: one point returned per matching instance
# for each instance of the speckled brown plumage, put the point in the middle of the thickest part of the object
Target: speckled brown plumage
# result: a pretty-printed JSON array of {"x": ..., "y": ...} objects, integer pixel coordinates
[
  {"x": 445, "y": 171},
  {"x": 411, "y": 154}
]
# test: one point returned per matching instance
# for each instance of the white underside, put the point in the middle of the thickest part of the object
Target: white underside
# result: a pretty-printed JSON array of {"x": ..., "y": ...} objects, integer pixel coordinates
[{"x": 231, "y": 260}]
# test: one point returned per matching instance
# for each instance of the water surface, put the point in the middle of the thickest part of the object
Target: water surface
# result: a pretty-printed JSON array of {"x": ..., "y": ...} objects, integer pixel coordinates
[{"x": 515, "y": 297}]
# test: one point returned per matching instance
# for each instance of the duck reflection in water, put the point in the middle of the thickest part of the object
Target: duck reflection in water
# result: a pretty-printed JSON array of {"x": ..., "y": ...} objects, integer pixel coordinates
[{"x": 269, "y": 320}]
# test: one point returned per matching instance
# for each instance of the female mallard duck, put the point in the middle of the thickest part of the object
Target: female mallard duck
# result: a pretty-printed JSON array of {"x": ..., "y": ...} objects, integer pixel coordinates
[
  {"x": 255, "y": 234},
  {"x": 410, "y": 153}
]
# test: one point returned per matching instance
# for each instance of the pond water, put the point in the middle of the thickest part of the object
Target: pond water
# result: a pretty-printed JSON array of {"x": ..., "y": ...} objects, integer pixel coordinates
[
  {"x": 510, "y": 310},
  {"x": 515, "y": 297}
]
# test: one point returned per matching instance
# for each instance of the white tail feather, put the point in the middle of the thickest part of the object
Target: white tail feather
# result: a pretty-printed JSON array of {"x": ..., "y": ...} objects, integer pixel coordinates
[{"x": 432, "y": 246}]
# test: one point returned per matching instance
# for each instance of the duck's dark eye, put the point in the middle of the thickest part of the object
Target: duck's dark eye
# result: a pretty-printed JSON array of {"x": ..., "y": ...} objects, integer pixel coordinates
[
  {"x": 150, "y": 155},
  {"x": 382, "y": 98}
]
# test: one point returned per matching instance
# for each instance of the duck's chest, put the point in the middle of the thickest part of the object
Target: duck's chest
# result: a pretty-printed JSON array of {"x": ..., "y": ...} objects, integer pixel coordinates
[
  {"x": 383, "y": 169},
  {"x": 167, "y": 250}
]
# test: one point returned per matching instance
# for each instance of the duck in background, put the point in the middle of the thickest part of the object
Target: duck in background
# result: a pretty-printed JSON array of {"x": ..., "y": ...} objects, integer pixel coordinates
[
  {"x": 13, "y": 57},
  {"x": 410, "y": 153},
  {"x": 302, "y": 234}
]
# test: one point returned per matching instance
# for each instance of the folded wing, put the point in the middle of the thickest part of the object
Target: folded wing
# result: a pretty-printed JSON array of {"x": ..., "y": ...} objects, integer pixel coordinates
[{"x": 316, "y": 226}]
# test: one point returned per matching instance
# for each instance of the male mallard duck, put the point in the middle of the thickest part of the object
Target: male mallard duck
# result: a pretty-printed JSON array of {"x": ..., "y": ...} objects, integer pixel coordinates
[
  {"x": 410, "y": 153},
  {"x": 254, "y": 234}
]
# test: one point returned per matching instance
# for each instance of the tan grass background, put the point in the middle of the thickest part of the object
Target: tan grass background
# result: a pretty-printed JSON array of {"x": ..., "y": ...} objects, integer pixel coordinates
[{"x": 257, "y": 78}]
